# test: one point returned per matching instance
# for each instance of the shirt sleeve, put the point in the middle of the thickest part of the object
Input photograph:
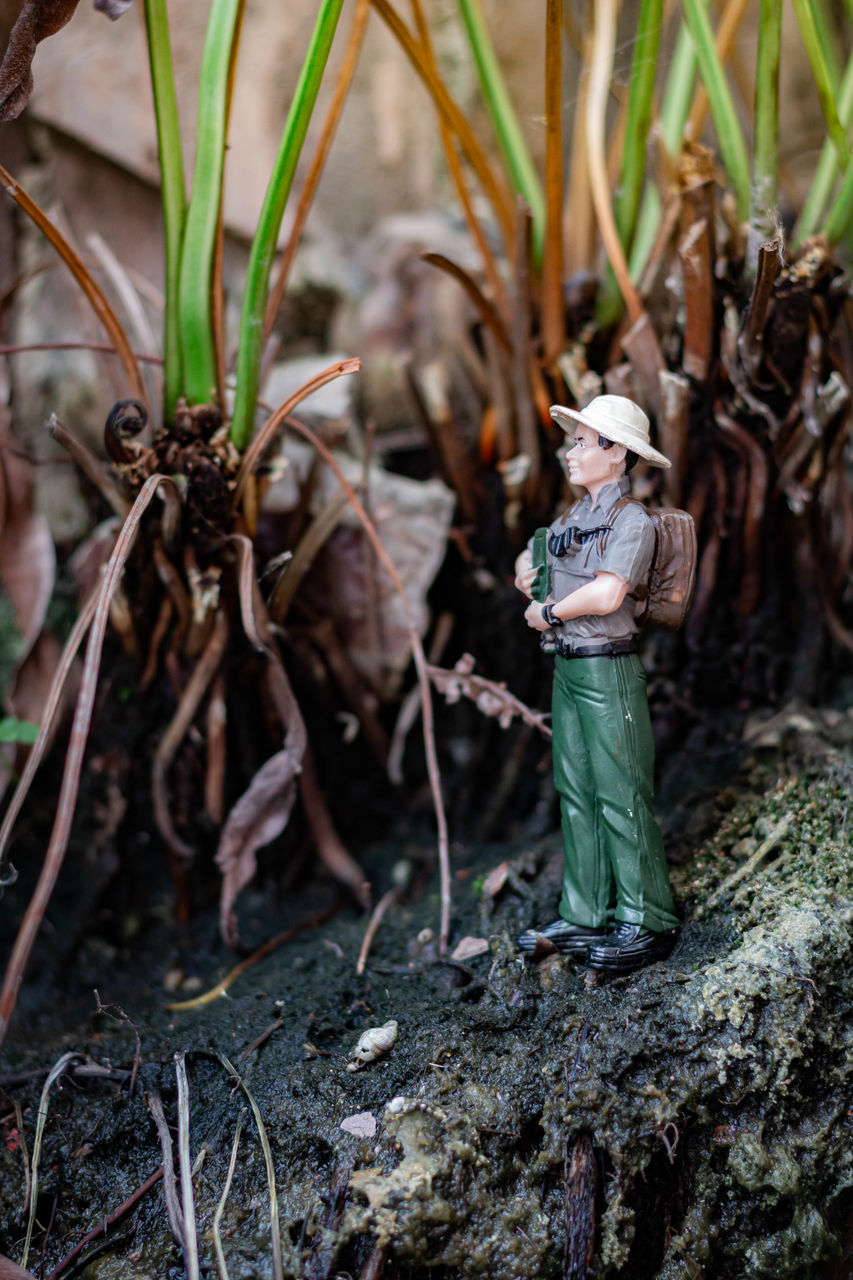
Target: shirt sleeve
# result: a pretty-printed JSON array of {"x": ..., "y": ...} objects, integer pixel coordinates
[{"x": 629, "y": 546}]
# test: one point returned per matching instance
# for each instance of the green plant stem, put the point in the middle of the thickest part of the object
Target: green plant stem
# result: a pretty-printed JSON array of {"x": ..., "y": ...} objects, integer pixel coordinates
[
  {"x": 840, "y": 216},
  {"x": 765, "y": 170},
  {"x": 828, "y": 45},
  {"x": 525, "y": 179},
  {"x": 263, "y": 246},
  {"x": 674, "y": 109},
  {"x": 173, "y": 191},
  {"x": 804, "y": 10},
  {"x": 729, "y": 136},
  {"x": 827, "y": 168},
  {"x": 201, "y": 221},
  {"x": 643, "y": 70}
]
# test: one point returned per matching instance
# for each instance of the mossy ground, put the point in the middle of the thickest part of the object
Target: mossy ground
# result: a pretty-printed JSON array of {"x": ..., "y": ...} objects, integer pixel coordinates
[{"x": 716, "y": 1089}]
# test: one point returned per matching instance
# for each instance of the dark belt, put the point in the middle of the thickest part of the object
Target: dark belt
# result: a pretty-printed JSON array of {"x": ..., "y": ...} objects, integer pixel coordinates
[{"x": 612, "y": 649}]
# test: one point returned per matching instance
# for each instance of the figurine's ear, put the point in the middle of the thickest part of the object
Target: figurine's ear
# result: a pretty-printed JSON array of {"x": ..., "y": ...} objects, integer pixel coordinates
[{"x": 618, "y": 453}]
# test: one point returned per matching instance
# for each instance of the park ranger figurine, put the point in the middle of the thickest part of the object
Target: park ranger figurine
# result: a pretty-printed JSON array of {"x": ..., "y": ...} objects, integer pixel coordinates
[{"x": 616, "y": 910}]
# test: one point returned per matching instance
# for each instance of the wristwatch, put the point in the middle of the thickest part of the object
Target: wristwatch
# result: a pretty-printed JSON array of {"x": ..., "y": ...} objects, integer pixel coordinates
[{"x": 550, "y": 616}]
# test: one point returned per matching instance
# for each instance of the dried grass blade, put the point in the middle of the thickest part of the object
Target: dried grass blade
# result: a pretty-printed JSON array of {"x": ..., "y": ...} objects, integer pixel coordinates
[
  {"x": 99, "y": 304},
  {"x": 91, "y": 467},
  {"x": 105, "y": 1224},
  {"x": 488, "y": 313},
  {"x": 55, "y": 1073},
  {"x": 221, "y": 988},
  {"x": 274, "y": 423},
  {"x": 214, "y": 778},
  {"x": 58, "y": 843},
  {"x": 45, "y": 734},
  {"x": 309, "y": 187},
  {"x": 387, "y": 900},
  {"x": 456, "y": 121},
  {"x": 318, "y": 531},
  {"x": 330, "y": 848},
  {"x": 454, "y": 166},
  {"x": 220, "y": 1208},
  {"x": 185, "y": 1166},
  {"x": 420, "y": 664},
  {"x": 170, "y": 1187},
  {"x": 553, "y": 312},
  {"x": 203, "y": 673},
  {"x": 275, "y": 1230}
]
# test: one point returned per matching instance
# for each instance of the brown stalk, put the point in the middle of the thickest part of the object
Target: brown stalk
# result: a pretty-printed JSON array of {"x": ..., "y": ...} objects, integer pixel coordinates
[
  {"x": 93, "y": 292},
  {"x": 154, "y": 1104},
  {"x": 497, "y": 192},
  {"x": 273, "y": 424},
  {"x": 327, "y": 133},
  {"x": 695, "y": 251},
  {"x": 673, "y": 430},
  {"x": 579, "y": 215},
  {"x": 199, "y": 682},
  {"x": 105, "y": 347},
  {"x": 70, "y": 786},
  {"x": 314, "y": 537},
  {"x": 706, "y": 575},
  {"x": 47, "y": 726},
  {"x": 749, "y": 344},
  {"x": 601, "y": 72},
  {"x": 161, "y": 626},
  {"x": 451, "y": 155},
  {"x": 361, "y": 700},
  {"x": 420, "y": 664},
  {"x": 755, "y": 464},
  {"x": 221, "y": 988},
  {"x": 553, "y": 319},
  {"x": 731, "y": 19},
  {"x": 330, "y": 848},
  {"x": 214, "y": 778},
  {"x": 217, "y": 286},
  {"x": 387, "y": 900},
  {"x": 91, "y": 467},
  {"x": 428, "y": 385},
  {"x": 488, "y": 313},
  {"x": 104, "y": 1225},
  {"x": 528, "y": 436}
]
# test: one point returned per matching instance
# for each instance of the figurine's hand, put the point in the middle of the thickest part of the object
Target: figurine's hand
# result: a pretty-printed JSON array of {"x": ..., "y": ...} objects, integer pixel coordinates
[
  {"x": 525, "y": 574},
  {"x": 533, "y": 616}
]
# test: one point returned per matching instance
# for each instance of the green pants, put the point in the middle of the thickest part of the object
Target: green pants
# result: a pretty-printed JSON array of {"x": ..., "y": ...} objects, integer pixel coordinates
[{"x": 614, "y": 866}]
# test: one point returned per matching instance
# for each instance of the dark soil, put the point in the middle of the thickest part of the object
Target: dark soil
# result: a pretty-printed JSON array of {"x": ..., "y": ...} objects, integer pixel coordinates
[{"x": 691, "y": 1120}]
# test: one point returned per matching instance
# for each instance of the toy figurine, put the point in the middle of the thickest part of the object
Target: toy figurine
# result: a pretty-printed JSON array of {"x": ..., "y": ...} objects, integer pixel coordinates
[{"x": 616, "y": 911}]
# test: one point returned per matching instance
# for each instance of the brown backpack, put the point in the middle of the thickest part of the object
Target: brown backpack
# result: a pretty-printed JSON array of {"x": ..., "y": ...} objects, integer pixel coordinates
[{"x": 665, "y": 597}]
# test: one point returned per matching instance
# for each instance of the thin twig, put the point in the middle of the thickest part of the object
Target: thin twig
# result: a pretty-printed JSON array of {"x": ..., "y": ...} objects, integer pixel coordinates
[
  {"x": 203, "y": 674},
  {"x": 74, "y": 760},
  {"x": 185, "y": 1166},
  {"x": 262, "y": 952},
  {"x": 89, "y": 465},
  {"x": 121, "y": 1016},
  {"x": 154, "y": 1104},
  {"x": 41, "y": 1119},
  {"x": 106, "y": 348},
  {"x": 220, "y": 1208},
  {"x": 387, "y": 900},
  {"x": 105, "y": 1224},
  {"x": 274, "y": 423},
  {"x": 34, "y": 759},
  {"x": 84, "y": 278},
  {"x": 420, "y": 664},
  {"x": 275, "y": 1231},
  {"x": 262, "y": 1038}
]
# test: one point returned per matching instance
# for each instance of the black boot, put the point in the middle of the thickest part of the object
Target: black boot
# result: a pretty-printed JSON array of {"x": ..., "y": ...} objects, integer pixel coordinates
[
  {"x": 631, "y": 947},
  {"x": 570, "y": 939}
]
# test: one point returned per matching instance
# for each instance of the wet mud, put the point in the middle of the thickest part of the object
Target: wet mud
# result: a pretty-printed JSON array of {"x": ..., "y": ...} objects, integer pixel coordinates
[{"x": 529, "y": 1120}]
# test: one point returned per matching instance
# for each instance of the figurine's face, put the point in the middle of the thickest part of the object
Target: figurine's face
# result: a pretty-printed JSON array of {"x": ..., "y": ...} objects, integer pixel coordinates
[{"x": 590, "y": 466}]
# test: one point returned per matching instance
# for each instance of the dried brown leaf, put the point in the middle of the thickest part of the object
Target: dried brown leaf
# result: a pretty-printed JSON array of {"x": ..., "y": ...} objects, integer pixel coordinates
[
  {"x": 495, "y": 880},
  {"x": 470, "y": 947},
  {"x": 258, "y": 817},
  {"x": 37, "y": 20}
]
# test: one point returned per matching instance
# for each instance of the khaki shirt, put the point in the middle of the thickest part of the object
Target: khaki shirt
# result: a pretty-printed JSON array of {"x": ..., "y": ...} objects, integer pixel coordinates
[{"x": 628, "y": 551}]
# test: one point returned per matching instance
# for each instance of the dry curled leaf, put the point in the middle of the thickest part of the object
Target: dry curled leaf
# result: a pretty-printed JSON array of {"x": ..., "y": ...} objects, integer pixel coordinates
[
  {"x": 258, "y": 817},
  {"x": 362, "y": 1125},
  {"x": 468, "y": 948},
  {"x": 495, "y": 880},
  {"x": 37, "y": 20}
]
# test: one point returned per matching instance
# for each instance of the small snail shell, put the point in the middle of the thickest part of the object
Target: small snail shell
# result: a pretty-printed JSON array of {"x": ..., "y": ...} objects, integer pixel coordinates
[{"x": 372, "y": 1044}]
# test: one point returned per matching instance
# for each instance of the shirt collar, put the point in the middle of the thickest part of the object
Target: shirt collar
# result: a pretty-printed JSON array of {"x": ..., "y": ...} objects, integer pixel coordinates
[{"x": 609, "y": 494}]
